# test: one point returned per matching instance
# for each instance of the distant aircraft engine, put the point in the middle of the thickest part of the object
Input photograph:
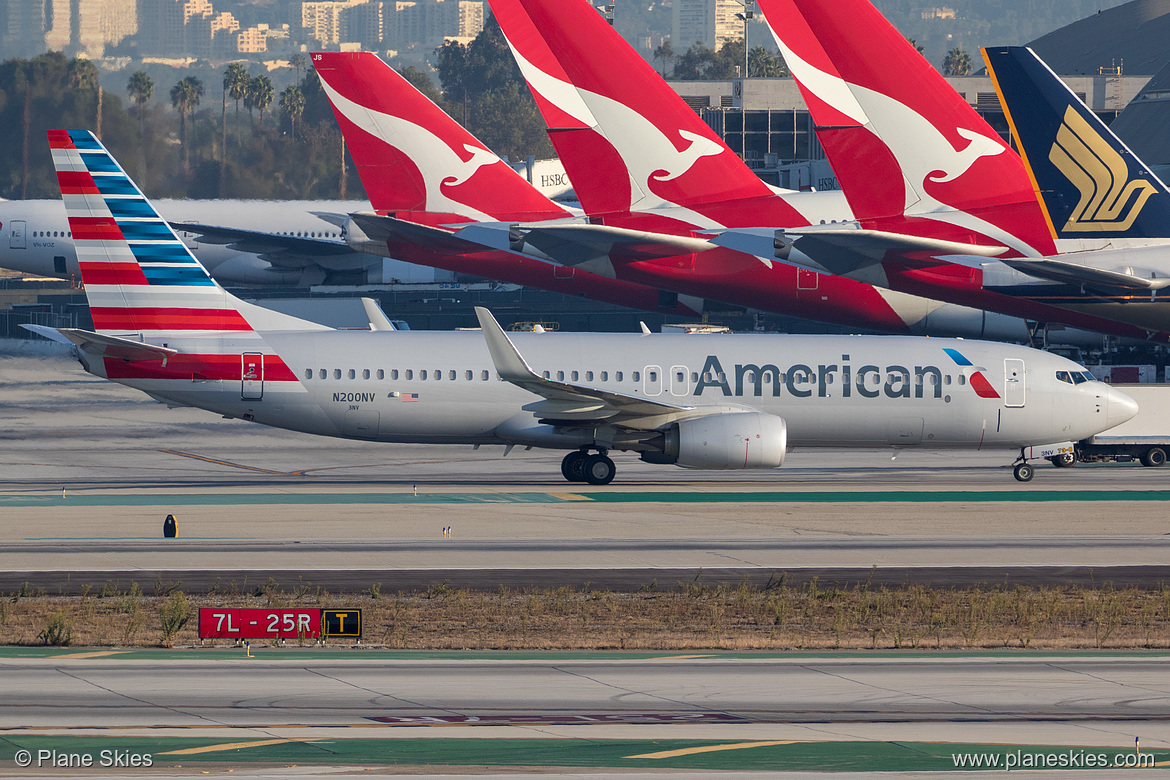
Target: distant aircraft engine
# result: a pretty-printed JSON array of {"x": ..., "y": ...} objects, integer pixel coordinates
[
  {"x": 740, "y": 440},
  {"x": 249, "y": 269}
]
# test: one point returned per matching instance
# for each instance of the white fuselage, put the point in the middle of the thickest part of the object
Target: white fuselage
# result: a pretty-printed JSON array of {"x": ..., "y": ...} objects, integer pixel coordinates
[
  {"x": 830, "y": 390},
  {"x": 35, "y": 239}
]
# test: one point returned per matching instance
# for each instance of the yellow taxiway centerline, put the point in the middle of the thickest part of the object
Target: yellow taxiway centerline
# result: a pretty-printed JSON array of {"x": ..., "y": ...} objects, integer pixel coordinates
[
  {"x": 231, "y": 746},
  {"x": 717, "y": 748}
]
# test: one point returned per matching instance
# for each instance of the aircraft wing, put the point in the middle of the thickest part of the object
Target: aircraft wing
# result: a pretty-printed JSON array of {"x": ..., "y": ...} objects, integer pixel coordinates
[
  {"x": 381, "y": 229},
  {"x": 564, "y": 400},
  {"x": 1087, "y": 276},
  {"x": 845, "y": 251},
  {"x": 100, "y": 345},
  {"x": 576, "y": 244},
  {"x": 280, "y": 250}
]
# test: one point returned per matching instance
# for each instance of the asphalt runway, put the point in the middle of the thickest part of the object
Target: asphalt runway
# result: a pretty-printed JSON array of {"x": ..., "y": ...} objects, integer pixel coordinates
[
  {"x": 1005, "y": 699},
  {"x": 747, "y": 697}
]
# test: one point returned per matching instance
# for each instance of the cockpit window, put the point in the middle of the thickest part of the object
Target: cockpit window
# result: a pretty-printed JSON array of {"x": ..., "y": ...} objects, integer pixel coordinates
[
  {"x": 1080, "y": 377},
  {"x": 1064, "y": 376}
]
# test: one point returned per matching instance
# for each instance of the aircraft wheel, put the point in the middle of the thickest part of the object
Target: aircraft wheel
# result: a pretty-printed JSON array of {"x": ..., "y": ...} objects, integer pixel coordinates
[
  {"x": 1154, "y": 457},
  {"x": 599, "y": 470},
  {"x": 1024, "y": 472},
  {"x": 573, "y": 466},
  {"x": 1064, "y": 460}
]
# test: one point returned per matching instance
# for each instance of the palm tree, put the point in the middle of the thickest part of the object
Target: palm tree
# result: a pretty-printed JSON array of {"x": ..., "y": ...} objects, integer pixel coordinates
[
  {"x": 185, "y": 98},
  {"x": 764, "y": 64},
  {"x": 141, "y": 89},
  {"x": 664, "y": 52},
  {"x": 292, "y": 105},
  {"x": 298, "y": 61},
  {"x": 235, "y": 86},
  {"x": 83, "y": 74},
  {"x": 22, "y": 78},
  {"x": 261, "y": 92},
  {"x": 957, "y": 63}
]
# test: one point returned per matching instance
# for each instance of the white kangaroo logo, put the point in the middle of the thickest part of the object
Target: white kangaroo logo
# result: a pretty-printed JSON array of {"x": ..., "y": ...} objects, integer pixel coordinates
[
  {"x": 645, "y": 150},
  {"x": 436, "y": 161},
  {"x": 699, "y": 147},
  {"x": 979, "y": 146},
  {"x": 923, "y": 153}
]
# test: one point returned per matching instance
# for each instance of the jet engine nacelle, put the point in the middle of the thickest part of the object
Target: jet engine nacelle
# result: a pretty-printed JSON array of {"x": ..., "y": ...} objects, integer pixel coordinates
[
  {"x": 249, "y": 269},
  {"x": 736, "y": 440}
]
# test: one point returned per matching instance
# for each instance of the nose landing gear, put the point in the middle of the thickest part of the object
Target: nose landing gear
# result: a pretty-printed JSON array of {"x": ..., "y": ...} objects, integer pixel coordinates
[{"x": 596, "y": 469}]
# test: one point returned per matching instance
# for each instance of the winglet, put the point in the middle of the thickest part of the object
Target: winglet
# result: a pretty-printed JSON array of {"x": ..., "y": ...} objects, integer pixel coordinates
[
  {"x": 510, "y": 365},
  {"x": 377, "y": 318}
]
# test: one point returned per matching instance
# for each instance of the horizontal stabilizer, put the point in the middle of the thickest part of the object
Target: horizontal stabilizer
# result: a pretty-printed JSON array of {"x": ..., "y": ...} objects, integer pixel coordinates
[
  {"x": 100, "y": 345},
  {"x": 382, "y": 229},
  {"x": 580, "y": 243},
  {"x": 576, "y": 401},
  {"x": 845, "y": 251},
  {"x": 1085, "y": 276},
  {"x": 50, "y": 333}
]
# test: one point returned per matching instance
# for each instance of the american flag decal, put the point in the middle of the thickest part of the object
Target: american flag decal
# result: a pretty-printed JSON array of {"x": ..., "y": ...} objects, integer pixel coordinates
[{"x": 409, "y": 397}]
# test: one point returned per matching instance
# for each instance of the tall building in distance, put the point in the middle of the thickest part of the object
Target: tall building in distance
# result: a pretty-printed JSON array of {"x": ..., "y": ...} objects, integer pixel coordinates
[
  {"x": 77, "y": 27},
  {"x": 22, "y": 26},
  {"x": 427, "y": 23},
  {"x": 263, "y": 38},
  {"x": 709, "y": 22},
  {"x": 325, "y": 22}
]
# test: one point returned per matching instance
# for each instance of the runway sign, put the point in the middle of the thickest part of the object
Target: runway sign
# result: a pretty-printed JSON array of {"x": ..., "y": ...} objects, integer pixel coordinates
[
  {"x": 342, "y": 622},
  {"x": 220, "y": 623}
]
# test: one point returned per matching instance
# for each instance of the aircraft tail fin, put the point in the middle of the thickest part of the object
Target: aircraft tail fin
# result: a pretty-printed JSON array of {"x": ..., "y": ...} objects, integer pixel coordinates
[
  {"x": 1090, "y": 184},
  {"x": 882, "y": 100},
  {"x": 608, "y": 110},
  {"x": 138, "y": 275},
  {"x": 412, "y": 157}
]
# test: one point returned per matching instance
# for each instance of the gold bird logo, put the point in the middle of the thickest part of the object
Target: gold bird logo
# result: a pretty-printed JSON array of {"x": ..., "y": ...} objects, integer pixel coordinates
[{"x": 1110, "y": 201}]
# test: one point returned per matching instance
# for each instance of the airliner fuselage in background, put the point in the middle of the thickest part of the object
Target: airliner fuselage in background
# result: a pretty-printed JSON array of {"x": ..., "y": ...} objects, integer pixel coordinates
[
  {"x": 259, "y": 242},
  {"x": 165, "y": 327}
]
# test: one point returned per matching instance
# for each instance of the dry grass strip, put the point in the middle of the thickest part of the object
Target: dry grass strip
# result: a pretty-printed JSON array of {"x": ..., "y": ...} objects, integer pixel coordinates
[{"x": 681, "y": 617}]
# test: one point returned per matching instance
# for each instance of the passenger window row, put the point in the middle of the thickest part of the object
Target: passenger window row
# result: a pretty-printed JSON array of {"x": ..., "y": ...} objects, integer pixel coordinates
[{"x": 435, "y": 375}]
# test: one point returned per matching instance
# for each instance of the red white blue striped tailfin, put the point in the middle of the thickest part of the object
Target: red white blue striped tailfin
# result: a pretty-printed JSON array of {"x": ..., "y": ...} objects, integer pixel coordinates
[{"x": 139, "y": 277}]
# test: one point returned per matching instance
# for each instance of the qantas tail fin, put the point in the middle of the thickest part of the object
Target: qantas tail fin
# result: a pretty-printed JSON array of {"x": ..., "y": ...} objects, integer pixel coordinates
[
  {"x": 413, "y": 158},
  {"x": 138, "y": 275},
  {"x": 874, "y": 97},
  {"x": 608, "y": 110},
  {"x": 1090, "y": 184}
]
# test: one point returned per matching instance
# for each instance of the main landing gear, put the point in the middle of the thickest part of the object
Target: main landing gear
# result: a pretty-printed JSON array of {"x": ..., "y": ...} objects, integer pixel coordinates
[{"x": 596, "y": 469}]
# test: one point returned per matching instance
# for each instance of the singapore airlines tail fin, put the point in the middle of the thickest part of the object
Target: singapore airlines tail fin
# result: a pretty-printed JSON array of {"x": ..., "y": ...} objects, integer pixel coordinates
[
  {"x": 628, "y": 141},
  {"x": 139, "y": 277},
  {"x": 873, "y": 96},
  {"x": 1089, "y": 182},
  {"x": 416, "y": 162}
]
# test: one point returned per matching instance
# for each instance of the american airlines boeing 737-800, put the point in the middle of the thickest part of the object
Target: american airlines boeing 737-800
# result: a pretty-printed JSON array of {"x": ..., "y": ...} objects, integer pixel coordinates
[{"x": 163, "y": 326}]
